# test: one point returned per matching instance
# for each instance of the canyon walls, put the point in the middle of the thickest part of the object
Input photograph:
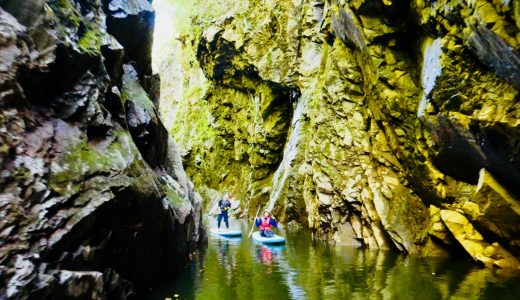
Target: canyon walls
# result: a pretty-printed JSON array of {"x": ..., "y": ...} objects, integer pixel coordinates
[
  {"x": 378, "y": 124},
  {"x": 94, "y": 201}
]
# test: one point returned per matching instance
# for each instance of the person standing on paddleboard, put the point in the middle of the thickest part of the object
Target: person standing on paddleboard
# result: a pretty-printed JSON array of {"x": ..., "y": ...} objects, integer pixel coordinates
[
  {"x": 224, "y": 205},
  {"x": 265, "y": 223}
]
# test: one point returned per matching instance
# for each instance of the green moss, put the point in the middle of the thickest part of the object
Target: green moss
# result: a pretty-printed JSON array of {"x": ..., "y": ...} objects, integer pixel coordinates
[
  {"x": 66, "y": 12},
  {"x": 91, "y": 41},
  {"x": 175, "y": 199},
  {"x": 69, "y": 20},
  {"x": 4, "y": 148},
  {"x": 194, "y": 92},
  {"x": 83, "y": 159},
  {"x": 133, "y": 91},
  {"x": 199, "y": 132}
]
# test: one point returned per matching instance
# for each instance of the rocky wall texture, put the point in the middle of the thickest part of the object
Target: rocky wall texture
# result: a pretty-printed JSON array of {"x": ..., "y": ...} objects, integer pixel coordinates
[
  {"x": 94, "y": 202},
  {"x": 381, "y": 124}
]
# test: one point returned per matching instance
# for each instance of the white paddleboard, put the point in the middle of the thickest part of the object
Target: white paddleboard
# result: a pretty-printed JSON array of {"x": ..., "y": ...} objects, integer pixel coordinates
[
  {"x": 276, "y": 239},
  {"x": 226, "y": 232}
]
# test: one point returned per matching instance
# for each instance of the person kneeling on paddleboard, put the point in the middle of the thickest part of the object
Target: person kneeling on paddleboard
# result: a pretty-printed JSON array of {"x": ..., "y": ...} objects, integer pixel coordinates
[
  {"x": 223, "y": 206},
  {"x": 265, "y": 223}
]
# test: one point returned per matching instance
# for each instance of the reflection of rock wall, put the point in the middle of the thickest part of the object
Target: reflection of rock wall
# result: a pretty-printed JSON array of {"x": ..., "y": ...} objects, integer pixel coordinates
[
  {"x": 396, "y": 116},
  {"x": 381, "y": 274},
  {"x": 308, "y": 270},
  {"x": 94, "y": 201}
]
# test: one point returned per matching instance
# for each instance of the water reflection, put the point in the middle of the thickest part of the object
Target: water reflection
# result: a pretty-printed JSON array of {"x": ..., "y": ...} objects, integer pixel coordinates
[
  {"x": 265, "y": 255},
  {"x": 307, "y": 269},
  {"x": 226, "y": 259}
]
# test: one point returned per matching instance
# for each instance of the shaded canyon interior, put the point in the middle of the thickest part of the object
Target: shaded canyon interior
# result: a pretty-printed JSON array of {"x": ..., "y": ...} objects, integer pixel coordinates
[
  {"x": 94, "y": 202},
  {"x": 384, "y": 124}
]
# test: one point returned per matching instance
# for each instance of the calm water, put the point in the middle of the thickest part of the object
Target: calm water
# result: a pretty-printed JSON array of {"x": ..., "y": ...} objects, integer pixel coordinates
[{"x": 308, "y": 269}]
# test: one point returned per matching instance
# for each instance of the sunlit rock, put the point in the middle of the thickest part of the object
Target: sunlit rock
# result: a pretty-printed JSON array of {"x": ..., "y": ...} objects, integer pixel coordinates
[
  {"x": 495, "y": 210},
  {"x": 360, "y": 119},
  {"x": 474, "y": 243}
]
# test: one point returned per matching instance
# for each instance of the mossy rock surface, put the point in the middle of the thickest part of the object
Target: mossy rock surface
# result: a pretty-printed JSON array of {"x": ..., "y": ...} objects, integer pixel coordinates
[
  {"x": 395, "y": 109},
  {"x": 81, "y": 192}
]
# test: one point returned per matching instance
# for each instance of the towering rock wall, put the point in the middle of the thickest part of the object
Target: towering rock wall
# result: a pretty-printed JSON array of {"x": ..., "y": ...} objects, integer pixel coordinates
[
  {"x": 94, "y": 201},
  {"x": 379, "y": 124}
]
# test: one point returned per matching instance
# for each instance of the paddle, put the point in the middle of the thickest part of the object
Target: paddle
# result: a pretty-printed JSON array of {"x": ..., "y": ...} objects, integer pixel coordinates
[{"x": 252, "y": 228}]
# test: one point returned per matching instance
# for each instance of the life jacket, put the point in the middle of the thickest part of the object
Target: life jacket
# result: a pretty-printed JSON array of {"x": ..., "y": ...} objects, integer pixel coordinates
[
  {"x": 224, "y": 205},
  {"x": 265, "y": 224}
]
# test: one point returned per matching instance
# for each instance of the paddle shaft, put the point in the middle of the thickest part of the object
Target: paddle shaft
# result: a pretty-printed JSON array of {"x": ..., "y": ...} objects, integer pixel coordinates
[{"x": 252, "y": 228}]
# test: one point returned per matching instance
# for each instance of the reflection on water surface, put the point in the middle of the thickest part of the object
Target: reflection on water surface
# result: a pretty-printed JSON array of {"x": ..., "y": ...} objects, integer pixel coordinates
[{"x": 308, "y": 269}]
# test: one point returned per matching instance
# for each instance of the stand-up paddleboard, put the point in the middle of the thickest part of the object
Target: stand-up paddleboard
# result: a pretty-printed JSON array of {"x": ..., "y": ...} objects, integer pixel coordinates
[
  {"x": 226, "y": 232},
  {"x": 276, "y": 239},
  {"x": 275, "y": 248}
]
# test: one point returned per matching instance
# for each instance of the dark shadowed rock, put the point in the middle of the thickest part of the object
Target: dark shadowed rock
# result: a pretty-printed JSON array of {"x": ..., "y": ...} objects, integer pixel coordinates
[
  {"x": 496, "y": 53},
  {"x": 142, "y": 119},
  {"x": 458, "y": 154},
  {"x": 346, "y": 27},
  {"x": 131, "y": 21},
  {"x": 88, "y": 209}
]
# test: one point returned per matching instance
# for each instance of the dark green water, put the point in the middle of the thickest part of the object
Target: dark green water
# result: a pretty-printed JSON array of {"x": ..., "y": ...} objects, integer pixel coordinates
[{"x": 308, "y": 269}]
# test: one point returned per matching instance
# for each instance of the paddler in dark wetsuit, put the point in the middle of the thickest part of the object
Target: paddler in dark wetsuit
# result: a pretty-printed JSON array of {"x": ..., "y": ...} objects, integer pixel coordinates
[{"x": 224, "y": 206}]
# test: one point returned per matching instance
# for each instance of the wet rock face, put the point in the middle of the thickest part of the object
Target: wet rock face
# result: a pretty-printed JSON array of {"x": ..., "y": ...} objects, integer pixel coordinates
[
  {"x": 92, "y": 202},
  {"x": 404, "y": 129}
]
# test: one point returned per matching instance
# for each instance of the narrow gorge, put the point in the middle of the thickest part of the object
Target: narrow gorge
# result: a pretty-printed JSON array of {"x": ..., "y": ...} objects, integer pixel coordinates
[
  {"x": 378, "y": 124},
  {"x": 390, "y": 128}
]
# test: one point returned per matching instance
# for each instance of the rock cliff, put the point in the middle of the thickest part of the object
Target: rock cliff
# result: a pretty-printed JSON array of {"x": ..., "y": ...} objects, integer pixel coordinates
[
  {"x": 94, "y": 202},
  {"x": 387, "y": 124}
]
